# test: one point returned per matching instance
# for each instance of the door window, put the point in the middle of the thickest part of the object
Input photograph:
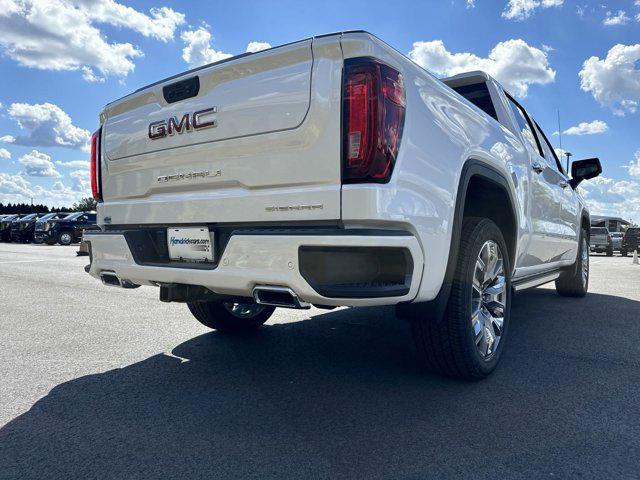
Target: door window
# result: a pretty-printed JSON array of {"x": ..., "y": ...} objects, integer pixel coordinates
[
  {"x": 549, "y": 153},
  {"x": 525, "y": 126}
]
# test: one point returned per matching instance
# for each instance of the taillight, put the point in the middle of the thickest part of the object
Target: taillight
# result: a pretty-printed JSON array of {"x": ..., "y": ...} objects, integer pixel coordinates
[
  {"x": 373, "y": 118},
  {"x": 96, "y": 190}
]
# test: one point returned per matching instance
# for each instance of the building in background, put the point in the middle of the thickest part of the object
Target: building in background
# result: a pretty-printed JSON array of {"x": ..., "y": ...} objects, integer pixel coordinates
[{"x": 613, "y": 224}]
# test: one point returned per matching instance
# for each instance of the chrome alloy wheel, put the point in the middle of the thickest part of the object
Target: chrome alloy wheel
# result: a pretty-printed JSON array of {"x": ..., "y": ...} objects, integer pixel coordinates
[
  {"x": 585, "y": 262},
  {"x": 66, "y": 238},
  {"x": 488, "y": 297},
  {"x": 243, "y": 310}
]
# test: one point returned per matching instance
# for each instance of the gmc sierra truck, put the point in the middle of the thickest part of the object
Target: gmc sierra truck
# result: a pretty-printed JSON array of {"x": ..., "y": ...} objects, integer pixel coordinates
[{"x": 334, "y": 171}]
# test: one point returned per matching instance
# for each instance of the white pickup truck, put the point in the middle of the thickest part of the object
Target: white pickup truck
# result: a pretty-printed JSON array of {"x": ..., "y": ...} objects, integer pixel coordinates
[{"x": 335, "y": 171}]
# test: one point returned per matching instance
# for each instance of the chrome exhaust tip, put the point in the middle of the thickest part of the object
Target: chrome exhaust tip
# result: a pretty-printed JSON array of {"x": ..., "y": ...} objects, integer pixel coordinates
[
  {"x": 276, "y": 296},
  {"x": 112, "y": 280}
]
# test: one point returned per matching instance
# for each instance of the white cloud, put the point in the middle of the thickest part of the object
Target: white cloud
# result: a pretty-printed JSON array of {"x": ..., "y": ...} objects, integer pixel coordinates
[
  {"x": 514, "y": 63},
  {"x": 62, "y": 35},
  {"x": 38, "y": 164},
  {"x": 16, "y": 188},
  {"x": 75, "y": 164},
  {"x": 634, "y": 167},
  {"x": 523, "y": 9},
  {"x": 615, "y": 80},
  {"x": 5, "y": 154},
  {"x": 89, "y": 75},
  {"x": 81, "y": 180},
  {"x": 8, "y": 139},
  {"x": 587, "y": 128},
  {"x": 48, "y": 126},
  {"x": 620, "y": 18},
  {"x": 257, "y": 46},
  {"x": 471, "y": 3},
  {"x": 198, "y": 50},
  {"x": 57, "y": 35},
  {"x": 606, "y": 196},
  {"x": 161, "y": 24}
]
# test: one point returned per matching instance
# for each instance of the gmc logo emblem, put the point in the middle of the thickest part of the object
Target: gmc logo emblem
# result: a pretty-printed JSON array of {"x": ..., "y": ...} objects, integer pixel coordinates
[{"x": 188, "y": 123}]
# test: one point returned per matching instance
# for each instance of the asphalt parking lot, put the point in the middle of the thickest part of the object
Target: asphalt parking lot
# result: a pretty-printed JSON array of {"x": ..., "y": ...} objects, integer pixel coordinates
[{"x": 98, "y": 382}]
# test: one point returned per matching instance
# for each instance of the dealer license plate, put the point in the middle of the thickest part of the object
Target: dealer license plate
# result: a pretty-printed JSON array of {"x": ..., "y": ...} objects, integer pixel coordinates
[{"x": 193, "y": 244}]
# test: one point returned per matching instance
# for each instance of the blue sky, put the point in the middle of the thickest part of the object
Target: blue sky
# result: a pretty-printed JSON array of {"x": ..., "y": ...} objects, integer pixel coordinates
[{"x": 62, "y": 60}]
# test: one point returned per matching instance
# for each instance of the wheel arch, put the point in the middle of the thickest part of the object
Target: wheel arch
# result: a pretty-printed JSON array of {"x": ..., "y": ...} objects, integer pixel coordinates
[{"x": 474, "y": 172}]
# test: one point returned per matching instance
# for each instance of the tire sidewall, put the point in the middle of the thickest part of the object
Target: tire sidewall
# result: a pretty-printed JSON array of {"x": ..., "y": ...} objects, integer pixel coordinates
[{"x": 485, "y": 230}]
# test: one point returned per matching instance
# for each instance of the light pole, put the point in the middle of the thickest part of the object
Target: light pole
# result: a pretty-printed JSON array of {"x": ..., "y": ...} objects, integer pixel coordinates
[{"x": 568, "y": 155}]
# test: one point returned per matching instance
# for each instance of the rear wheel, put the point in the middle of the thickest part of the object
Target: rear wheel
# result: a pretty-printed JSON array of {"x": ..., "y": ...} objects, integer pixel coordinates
[
  {"x": 575, "y": 282},
  {"x": 468, "y": 340},
  {"x": 230, "y": 317}
]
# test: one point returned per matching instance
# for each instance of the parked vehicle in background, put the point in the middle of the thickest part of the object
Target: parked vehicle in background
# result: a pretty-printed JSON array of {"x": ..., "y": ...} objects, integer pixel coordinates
[
  {"x": 616, "y": 239},
  {"x": 22, "y": 230},
  {"x": 69, "y": 229},
  {"x": 5, "y": 227},
  {"x": 45, "y": 222},
  {"x": 335, "y": 171},
  {"x": 601, "y": 241},
  {"x": 630, "y": 241}
]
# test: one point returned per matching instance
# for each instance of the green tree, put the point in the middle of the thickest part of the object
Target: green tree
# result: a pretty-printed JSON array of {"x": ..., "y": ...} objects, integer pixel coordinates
[{"x": 84, "y": 205}]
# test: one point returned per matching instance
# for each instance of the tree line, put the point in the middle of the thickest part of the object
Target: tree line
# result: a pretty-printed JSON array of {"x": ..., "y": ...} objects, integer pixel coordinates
[{"x": 84, "y": 205}]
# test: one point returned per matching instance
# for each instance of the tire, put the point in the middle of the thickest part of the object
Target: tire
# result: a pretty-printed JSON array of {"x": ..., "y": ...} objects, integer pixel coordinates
[
  {"x": 575, "y": 281},
  {"x": 220, "y": 316},
  {"x": 448, "y": 345},
  {"x": 65, "y": 238}
]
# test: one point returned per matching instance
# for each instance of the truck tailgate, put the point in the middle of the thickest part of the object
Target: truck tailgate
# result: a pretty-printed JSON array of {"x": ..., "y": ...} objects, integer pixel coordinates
[{"x": 255, "y": 138}]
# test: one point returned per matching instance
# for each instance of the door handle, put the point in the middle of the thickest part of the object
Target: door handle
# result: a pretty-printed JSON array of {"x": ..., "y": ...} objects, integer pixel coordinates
[
  {"x": 537, "y": 166},
  {"x": 563, "y": 183}
]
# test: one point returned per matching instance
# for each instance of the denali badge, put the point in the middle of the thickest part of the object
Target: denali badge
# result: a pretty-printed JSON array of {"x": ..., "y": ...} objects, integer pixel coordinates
[
  {"x": 188, "y": 123},
  {"x": 287, "y": 208},
  {"x": 188, "y": 176}
]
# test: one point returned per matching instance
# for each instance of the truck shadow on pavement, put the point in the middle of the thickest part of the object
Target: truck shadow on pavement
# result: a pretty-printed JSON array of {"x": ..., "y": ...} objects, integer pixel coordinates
[{"x": 339, "y": 396}]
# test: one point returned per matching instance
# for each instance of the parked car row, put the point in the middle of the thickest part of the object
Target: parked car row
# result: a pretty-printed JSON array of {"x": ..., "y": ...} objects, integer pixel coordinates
[
  {"x": 64, "y": 228},
  {"x": 603, "y": 241}
]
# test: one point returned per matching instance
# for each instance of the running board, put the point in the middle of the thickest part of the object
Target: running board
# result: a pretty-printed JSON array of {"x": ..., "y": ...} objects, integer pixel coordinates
[{"x": 535, "y": 280}]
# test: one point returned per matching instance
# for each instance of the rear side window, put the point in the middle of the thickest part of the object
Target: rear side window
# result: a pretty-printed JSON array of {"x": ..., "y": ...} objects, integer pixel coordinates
[
  {"x": 479, "y": 95},
  {"x": 525, "y": 126},
  {"x": 598, "y": 231}
]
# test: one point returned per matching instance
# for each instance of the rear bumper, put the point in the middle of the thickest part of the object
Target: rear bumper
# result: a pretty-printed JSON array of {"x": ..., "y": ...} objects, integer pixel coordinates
[{"x": 270, "y": 259}]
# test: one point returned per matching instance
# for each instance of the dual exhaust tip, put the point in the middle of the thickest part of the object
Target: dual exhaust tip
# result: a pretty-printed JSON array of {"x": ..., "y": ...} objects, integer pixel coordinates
[{"x": 275, "y": 296}]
